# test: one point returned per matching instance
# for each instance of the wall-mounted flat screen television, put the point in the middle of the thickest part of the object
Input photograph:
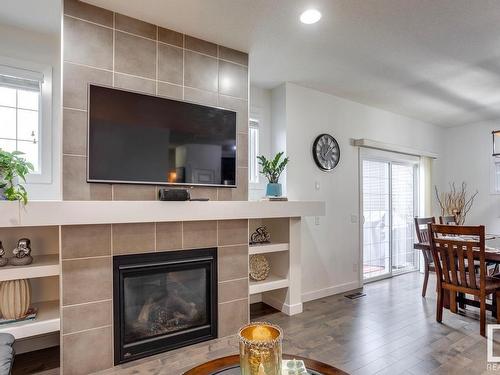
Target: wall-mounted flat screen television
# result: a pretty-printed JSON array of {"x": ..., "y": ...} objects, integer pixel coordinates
[{"x": 144, "y": 139}]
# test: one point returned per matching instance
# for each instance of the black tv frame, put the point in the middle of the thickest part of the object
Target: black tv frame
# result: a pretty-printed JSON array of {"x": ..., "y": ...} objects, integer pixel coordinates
[{"x": 159, "y": 183}]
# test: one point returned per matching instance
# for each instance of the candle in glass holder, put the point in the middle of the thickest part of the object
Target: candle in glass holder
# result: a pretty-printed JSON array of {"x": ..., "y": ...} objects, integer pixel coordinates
[{"x": 260, "y": 349}]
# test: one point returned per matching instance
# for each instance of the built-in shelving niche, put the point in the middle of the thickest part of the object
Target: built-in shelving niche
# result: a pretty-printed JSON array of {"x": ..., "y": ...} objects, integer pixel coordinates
[
  {"x": 276, "y": 252},
  {"x": 44, "y": 278}
]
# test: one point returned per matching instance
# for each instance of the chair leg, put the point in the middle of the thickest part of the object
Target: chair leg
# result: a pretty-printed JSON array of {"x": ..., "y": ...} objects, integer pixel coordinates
[
  {"x": 453, "y": 302},
  {"x": 461, "y": 303},
  {"x": 439, "y": 307},
  {"x": 497, "y": 299},
  {"x": 426, "y": 279},
  {"x": 482, "y": 315}
]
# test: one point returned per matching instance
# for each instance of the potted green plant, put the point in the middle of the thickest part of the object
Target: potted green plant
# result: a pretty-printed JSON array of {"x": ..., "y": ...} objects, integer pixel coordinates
[
  {"x": 272, "y": 169},
  {"x": 13, "y": 167}
]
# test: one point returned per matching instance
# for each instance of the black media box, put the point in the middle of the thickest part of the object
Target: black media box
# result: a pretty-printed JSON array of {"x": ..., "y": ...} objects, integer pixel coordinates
[{"x": 173, "y": 195}]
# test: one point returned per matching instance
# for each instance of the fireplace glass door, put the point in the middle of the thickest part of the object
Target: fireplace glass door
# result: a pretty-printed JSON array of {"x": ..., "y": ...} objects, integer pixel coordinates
[{"x": 164, "y": 301}]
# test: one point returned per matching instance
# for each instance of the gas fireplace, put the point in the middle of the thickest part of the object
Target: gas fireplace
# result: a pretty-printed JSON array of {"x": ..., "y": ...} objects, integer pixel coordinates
[{"x": 163, "y": 301}]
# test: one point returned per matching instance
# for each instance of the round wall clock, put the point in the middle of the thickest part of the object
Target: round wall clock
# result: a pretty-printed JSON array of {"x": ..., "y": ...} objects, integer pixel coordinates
[{"x": 326, "y": 152}]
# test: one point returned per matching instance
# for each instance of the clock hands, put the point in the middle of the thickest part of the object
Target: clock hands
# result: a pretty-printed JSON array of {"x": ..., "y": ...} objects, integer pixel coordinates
[{"x": 325, "y": 154}]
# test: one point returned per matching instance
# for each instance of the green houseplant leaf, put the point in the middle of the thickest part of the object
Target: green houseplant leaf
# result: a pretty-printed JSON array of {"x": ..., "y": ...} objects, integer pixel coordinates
[
  {"x": 272, "y": 168},
  {"x": 13, "y": 168}
]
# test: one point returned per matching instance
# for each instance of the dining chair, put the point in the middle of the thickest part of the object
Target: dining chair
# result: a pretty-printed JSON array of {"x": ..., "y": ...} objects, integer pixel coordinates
[
  {"x": 448, "y": 220},
  {"x": 454, "y": 263},
  {"x": 421, "y": 227}
]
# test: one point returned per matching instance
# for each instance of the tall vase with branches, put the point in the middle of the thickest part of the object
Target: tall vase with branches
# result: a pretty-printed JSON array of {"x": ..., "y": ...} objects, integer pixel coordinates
[{"x": 456, "y": 202}]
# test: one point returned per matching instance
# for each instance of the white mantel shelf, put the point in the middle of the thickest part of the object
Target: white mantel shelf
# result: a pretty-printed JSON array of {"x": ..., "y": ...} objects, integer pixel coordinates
[{"x": 39, "y": 213}]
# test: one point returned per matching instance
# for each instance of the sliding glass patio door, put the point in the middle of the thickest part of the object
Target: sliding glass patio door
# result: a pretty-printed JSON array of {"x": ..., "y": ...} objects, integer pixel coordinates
[{"x": 389, "y": 199}]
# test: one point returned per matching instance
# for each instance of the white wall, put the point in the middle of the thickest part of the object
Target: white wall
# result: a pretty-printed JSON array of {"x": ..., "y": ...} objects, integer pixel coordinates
[
  {"x": 330, "y": 252},
  {"x": 467, "y": 157},
  {"x": 36, "y": 47}
]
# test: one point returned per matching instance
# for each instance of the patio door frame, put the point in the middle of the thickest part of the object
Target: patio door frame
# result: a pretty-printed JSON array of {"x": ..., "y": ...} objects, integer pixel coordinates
[{"x": 390, "y": 158}]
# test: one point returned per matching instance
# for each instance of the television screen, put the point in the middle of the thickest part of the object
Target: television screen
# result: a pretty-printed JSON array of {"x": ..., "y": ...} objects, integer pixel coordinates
[{"x": 144, "y": 139}]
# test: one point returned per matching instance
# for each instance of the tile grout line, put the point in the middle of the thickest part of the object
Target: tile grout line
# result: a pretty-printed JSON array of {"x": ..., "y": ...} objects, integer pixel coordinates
[
  {"x": 217, "y": 235},
  {"x": 111, "y": 242},
  {"x": 157, "y": 40},
  {"x": 230, "y": 281},
  {"x": 157, "y": 62},
  {"x": 151, "y": 79},
  {"x": 114, "y": 47},
  {"x": 74, "y": 109},
  {"x": 218, "y": 76},
  {"x": 182, "y": 235},
  {"x": 234, "y": 300},
  {"x": 75, "y": 155},
  {"x": 87, "y": 258},
  {"x": 156, "y": 243},
  {"x": 88, "y": 303},
  {"x": 183, "y": 66},
  {"x": 87, "y": 330}
]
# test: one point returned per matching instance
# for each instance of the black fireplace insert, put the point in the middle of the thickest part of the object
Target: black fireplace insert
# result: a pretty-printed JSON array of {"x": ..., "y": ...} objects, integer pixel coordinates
[{"x": 163, "y": 301}]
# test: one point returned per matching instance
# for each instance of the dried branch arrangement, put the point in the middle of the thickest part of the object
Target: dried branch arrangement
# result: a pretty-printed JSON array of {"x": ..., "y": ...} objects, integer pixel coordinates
[{"x": 455, "y": 202}]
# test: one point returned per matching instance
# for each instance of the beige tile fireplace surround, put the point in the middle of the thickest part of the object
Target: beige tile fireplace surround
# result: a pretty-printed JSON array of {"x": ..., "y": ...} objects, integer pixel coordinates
[
  {"x": 107, "y": 48},
  {"x": 74, "y": 243},
  {"x": 87, "y": 251}
]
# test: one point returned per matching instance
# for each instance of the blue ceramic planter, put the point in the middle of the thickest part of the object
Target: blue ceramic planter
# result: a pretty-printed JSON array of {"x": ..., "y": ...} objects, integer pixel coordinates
[{"x": 273, "y": 190}]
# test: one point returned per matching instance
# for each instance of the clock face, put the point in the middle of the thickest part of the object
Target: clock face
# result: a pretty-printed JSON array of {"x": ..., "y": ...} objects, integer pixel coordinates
[{"x": 326, "y": 152}]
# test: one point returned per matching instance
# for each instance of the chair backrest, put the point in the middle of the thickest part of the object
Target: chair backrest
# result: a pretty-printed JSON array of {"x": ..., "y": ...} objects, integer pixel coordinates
[
  {"x": 422, "y": 229},
  {"x": 454, "y": 249},
  {"x": 448, "y": 220}
]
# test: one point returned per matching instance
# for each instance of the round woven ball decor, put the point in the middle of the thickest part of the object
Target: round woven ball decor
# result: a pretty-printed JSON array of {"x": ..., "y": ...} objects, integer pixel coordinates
[{"x": 259, "y": 267}]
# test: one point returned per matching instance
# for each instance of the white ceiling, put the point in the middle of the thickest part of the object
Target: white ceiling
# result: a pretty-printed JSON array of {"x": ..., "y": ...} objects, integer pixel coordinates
[
  {"x": 434, "y": 60},
  {"x": 43, "y": 16}
]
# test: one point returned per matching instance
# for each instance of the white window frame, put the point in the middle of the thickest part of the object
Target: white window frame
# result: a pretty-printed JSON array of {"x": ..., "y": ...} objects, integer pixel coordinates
[
  {"x": 7, "y": 64},
  {"x": 253, "y": 173},
  {"x": 494, "y": 182}
]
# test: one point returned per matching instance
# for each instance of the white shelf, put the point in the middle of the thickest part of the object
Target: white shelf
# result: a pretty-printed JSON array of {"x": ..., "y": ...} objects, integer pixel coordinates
[
  {"x": 271, "y": 283},
  {"x": 47, "y": 321},
  {"x": 42, "y": 266},
  {"x": 268, "y": 248},
  {"x": 40, "y": 213}
]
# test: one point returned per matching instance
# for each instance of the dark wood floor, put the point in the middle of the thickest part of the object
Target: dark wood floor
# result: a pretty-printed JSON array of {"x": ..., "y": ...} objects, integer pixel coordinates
[
  {"x": 391, "y": 330},
  {"x": 38, "y": 362}
]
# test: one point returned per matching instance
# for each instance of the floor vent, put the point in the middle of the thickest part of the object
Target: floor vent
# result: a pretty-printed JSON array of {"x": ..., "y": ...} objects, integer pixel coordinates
[{"x": 355, "y": 295}]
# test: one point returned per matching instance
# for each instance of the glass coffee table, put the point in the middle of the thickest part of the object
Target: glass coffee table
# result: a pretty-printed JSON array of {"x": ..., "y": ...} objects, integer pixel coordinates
[{"x": 231, "y": 366}]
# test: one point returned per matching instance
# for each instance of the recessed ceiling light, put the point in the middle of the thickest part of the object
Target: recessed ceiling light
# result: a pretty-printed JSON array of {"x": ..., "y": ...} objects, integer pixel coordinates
[{"x": 310, "y": 16}]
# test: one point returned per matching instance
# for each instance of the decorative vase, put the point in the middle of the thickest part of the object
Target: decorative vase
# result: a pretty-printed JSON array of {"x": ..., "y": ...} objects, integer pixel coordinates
[
  {"x": 260, "y": 349},
  {"x": 15, "y": 298},
  {"x": 273, "y": 190}
]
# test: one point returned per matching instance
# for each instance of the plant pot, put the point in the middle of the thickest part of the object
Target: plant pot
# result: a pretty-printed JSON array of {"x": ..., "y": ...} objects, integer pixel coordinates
[{"x": 273, "y": 190}]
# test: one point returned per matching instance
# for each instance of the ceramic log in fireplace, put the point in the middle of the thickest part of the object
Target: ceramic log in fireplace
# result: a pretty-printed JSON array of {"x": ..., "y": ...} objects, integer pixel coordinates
[{"x": 163, "y": 301}]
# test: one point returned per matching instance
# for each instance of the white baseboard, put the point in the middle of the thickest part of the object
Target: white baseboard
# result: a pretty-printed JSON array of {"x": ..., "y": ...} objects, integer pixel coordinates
[
  {"x": 283, "y": 307},
  {"x": 330, "y": 291}
]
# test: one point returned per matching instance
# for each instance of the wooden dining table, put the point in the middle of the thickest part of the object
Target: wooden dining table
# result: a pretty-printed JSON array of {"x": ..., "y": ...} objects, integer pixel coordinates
[{"x": 491, "y": 255}]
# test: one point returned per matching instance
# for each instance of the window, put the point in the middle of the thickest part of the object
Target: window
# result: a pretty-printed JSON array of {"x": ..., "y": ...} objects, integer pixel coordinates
[
  {"x": 253, "y": 151},
  {"x": 20, "y": 117},
  {"x": 25, "y": 114},
  {"x": 496, "y": 175}
]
